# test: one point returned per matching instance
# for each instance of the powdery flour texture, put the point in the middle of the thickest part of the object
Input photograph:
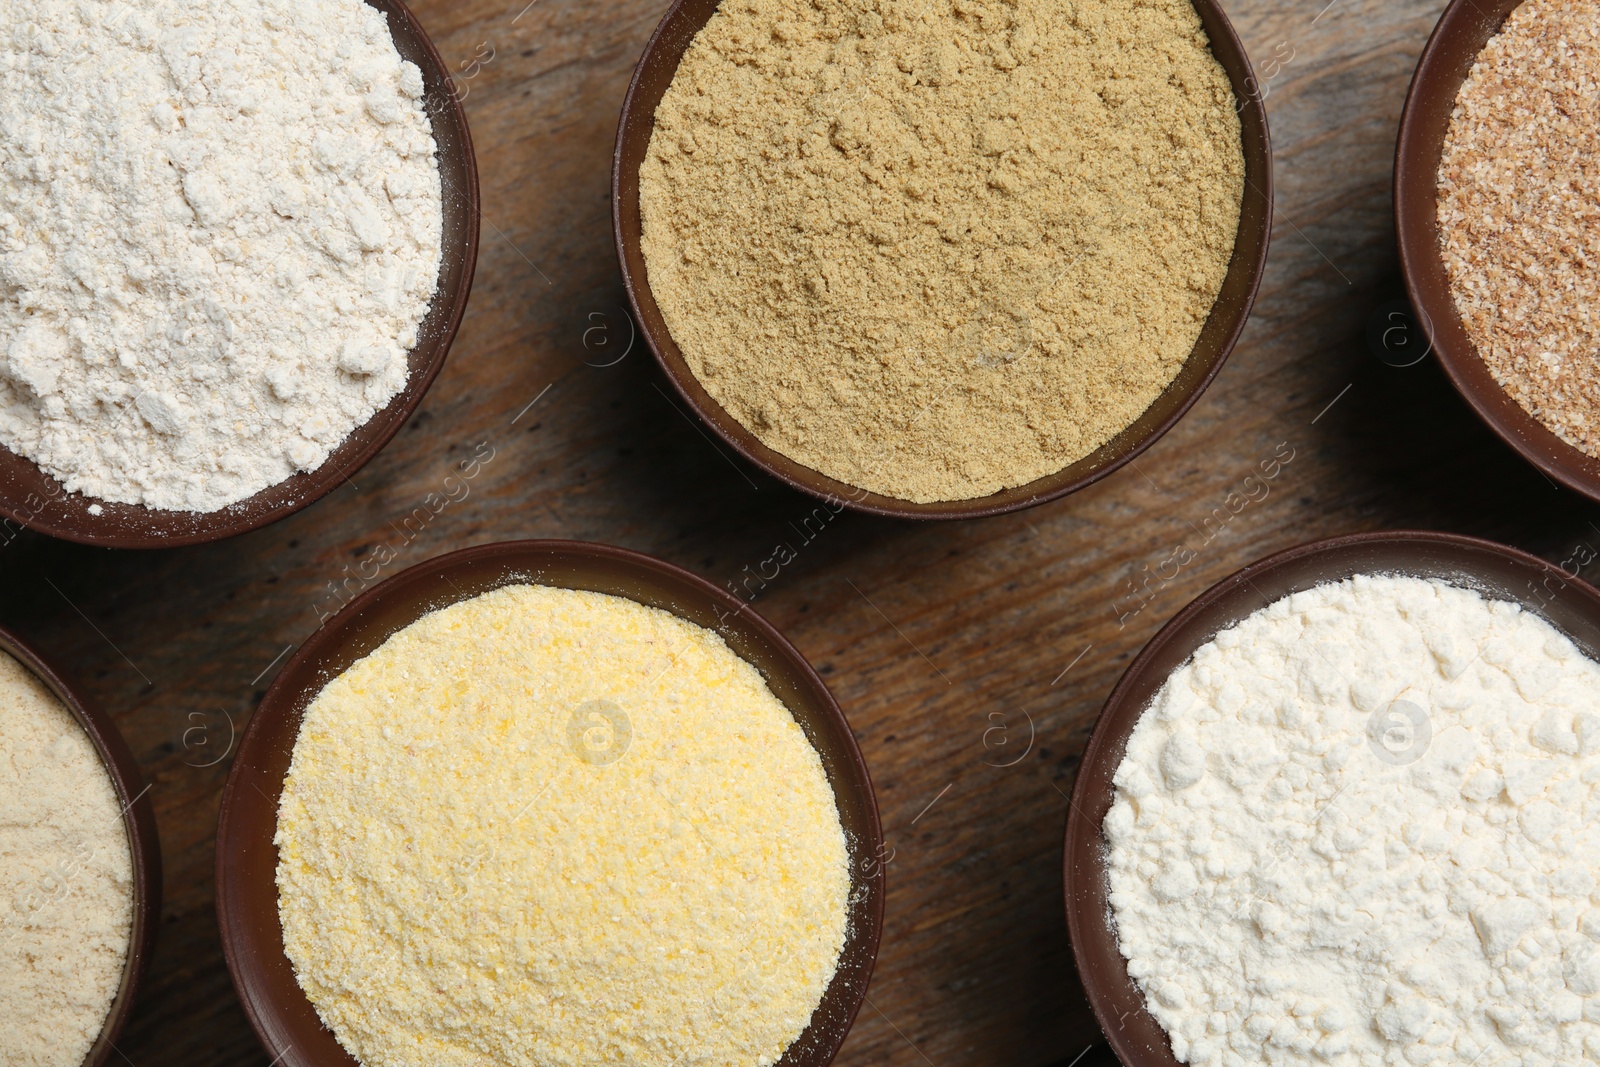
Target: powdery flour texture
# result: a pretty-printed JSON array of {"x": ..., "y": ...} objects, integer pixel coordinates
[
  {"x": 66, "y": 880},
  {"x": 1362, "y": 828},
  {"x": 220, "y": 227},
  {"x": 627, "y": 850},
  {"x": 936, "y": 248}
]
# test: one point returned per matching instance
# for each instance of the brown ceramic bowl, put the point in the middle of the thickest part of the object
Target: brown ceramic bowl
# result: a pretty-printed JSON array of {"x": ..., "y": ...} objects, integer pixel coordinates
[
  {"x": 650, "y": 80},
  {"x": 139, "y": 819},
  {"x": 1567, "y": 602},
  {"x": 1463, "y": 30},
  {"x": 247, "y": 860},
  {"x": 33, "y": 499}
]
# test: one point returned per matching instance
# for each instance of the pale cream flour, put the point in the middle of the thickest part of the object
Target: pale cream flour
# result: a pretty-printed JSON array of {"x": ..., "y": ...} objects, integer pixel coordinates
[
  {"x": 66, "y": 880},
  {"x": 1361, "y": 828},
  {"x": 220, "y": 226}
]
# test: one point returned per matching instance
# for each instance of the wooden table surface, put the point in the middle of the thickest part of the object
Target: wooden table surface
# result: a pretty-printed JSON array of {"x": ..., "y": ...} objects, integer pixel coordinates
[{"x": 971, "y": 658}]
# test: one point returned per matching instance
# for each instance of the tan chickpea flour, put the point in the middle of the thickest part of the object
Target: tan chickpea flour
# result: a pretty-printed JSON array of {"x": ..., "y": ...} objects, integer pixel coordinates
[
  {"x": 936, "y": 248},
  {"x": 542, "y": 828}
]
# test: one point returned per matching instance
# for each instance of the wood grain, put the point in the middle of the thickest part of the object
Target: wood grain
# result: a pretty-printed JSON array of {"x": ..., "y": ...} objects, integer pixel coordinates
[{"x": 942, "y": 642}]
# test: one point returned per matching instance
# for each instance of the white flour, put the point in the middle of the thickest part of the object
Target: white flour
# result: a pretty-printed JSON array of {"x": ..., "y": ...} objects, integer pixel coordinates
[
  {"x": 220, "y": 227},
  {"x": 1362, "y": 827}
]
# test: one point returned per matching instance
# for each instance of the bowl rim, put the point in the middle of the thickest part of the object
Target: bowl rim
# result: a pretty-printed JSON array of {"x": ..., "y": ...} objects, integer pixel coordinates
[
  {"x": 287, "y": 697},
  {"x": 240, "y": 517},
  {"x": 1082, "y": 850},
  {"x": 1227, "y": 48},
  {"x": 1440, "y": 73},
  {"x": 139, "y": 822}
]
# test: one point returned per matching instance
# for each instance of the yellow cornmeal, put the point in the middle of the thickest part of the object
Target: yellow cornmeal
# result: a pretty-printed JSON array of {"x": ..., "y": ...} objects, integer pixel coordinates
[{"x": 548, "y": 827}]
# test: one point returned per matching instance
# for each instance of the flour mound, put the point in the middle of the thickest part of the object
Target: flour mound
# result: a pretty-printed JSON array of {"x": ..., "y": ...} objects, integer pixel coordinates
[
  {"x": 220, "y": 226},
  {"x": 936, "y": 249},
  {"x": 582, "y": 831},
  {"x": 1360, "y": 828},
  {"x": 66, "y": 880}
]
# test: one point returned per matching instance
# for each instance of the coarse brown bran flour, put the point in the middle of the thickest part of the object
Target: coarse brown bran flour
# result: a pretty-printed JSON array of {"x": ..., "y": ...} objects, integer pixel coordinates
[
  {"x": 1519, "y": 213},
  {"x": 937, "y": 248}
]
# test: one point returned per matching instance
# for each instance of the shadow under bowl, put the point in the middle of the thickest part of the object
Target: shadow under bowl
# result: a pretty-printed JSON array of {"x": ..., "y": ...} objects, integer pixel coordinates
[
  {"x": 32, "y": 499},
  {"x": 1493, "y": 570},
  {"x": 247, "y": 859},
  {"x": 138, "y": 819},
  {"x": 654, "y": 74},
  {"x": 1462, "y": 31}
]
